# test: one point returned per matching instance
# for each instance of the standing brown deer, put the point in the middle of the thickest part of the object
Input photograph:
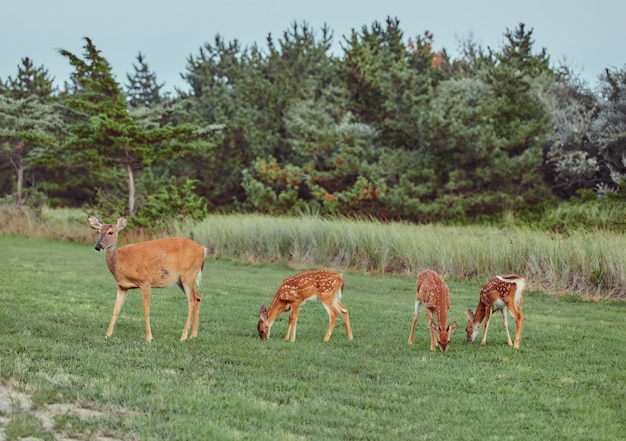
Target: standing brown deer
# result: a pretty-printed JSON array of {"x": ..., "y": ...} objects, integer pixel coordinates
[
  {"x": 155, "y": 263},
  {"x": 500, "y": 293},
  {"x": 432, "y": 290},
  {"x": 326, "y": 286}
]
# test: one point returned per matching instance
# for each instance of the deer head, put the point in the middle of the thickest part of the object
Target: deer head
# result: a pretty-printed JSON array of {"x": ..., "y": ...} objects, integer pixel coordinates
[{"x": 443, "y": 335}]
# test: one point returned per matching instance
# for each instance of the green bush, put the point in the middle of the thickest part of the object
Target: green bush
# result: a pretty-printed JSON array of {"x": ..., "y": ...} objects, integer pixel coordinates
[{"x": 174, "y": 203}]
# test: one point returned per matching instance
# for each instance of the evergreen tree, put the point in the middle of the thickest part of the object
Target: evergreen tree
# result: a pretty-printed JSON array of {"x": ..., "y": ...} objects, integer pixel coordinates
[
  {"x": 608, "y": 131},
  {"x": 28, "y": 130},
  {"x": 29, "y": 124},
  {"x": 30, "y": 80},
  {"x": 459, "y": 147},
  {"x": 106, "y": 135},
  {"x": 571, "y": 159},
  {"x": 318, "y": 167},
  {"x": 250, "y": 92},
  {"x": 389, "y": 80},
  {"x": 142, "y": 88},
  {"x": 227, "y": 89},
  {"x": 328, "y": 171},
  {"x": 520, "y": 120},
  {"x": 368, "y": 57}
]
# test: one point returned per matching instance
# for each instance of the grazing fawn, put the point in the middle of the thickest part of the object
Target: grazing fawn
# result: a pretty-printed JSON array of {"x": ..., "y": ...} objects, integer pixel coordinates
[
  {"x": 432, "y": 290},
  {"x": 326, "y": 286},
  {"x": 500, "y": 293},
  {"x": 155, "y": 263}
]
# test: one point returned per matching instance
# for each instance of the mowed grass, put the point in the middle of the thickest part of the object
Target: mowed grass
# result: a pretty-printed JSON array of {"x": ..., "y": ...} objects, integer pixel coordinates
[{"x": 567, "y": 382}]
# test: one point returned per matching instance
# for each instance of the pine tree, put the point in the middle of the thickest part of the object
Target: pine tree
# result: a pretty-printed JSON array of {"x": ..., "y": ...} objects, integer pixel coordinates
[
  {"x": 30, "y": 80},
  {"x": 27, "y": 132},
  {"x": 106, "y": 135},
  {"x": 520, "y": 119},
  {"x": 142, "y": 88},
  {"x": 29, "y": 124}
]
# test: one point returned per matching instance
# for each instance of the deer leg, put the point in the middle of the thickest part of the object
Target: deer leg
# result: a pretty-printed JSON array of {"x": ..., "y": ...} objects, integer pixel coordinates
[
  {"x": 196, "y": 315},
  {"x": 193, "y": 314},
  {"x": 332, "y": 315},
  {"x": 487, "y": 318},
  {"x": 505, "y": 324},
  {"x": 145, "y": 294},
  {"x": 190, "y": 311},
  {"x": 346, "y": 318},
  {"x": 193, "y": 305},
  {"x": 415, "y": 315},
  {"x": 433, "y": 338},
  {"x": 119, "y": 301},
  {"x": 293, "y": 319},
  {"x": 519, "y": 324}
]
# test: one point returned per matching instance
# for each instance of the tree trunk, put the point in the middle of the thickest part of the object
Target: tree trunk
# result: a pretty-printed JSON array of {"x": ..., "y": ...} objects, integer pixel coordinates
[
  {"x": 18, "y": 165},
  {"x": 131, "y": 190},
  {"x": 20, "y": 185}
]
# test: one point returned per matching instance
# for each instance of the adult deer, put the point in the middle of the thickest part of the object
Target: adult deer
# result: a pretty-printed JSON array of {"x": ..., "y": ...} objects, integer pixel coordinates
[
  {"x": 155, "y": 263},
  {"x": 326, "y": 286},
  {"x": 433, "y": 291},
  {"x": 500, "y": 293}
]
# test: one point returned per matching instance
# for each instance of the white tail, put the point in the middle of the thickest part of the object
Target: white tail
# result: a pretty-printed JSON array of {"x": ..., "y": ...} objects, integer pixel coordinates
[
  {"x": 155, "y": 263},
  {"x": 323, "y": 285},
  {"x": 432, "y": 290},
  {"x": 500, "y": 293}
]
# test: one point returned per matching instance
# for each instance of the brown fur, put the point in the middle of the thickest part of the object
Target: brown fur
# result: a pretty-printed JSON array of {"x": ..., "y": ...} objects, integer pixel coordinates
[
  {"x": 155, "y": 263},
  {"x": 326, "y": 286},
  {"x": 500, "y": 293},
  {"x": 433, "y": 291}
]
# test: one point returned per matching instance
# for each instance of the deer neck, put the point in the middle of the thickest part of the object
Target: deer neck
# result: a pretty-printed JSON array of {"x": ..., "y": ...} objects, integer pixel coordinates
[
  {"x": 276, "y": 307},
  {"x": 479, "y": 315},
  {"x": 442, "y": 316},
  {"x": 111, "y": 258}
]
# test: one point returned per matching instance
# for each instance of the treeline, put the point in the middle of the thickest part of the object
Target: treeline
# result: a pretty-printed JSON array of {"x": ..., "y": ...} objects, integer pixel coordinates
[{"x": 388, "y": 129}]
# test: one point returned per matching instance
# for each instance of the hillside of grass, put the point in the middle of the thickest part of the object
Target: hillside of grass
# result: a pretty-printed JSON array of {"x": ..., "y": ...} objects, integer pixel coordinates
[{"x": 61, "y": 379}]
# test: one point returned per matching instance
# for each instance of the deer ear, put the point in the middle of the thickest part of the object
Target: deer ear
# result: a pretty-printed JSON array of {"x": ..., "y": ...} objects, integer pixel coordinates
[
  {"x": 263, "y": 313},
  {"x": 121, "y": 223},
  {"x": 470, "y": 314},
  {"x": 451, "y": 326},
  {"x": 95, "y": 222},
  {"x": 435, "y": 327}
]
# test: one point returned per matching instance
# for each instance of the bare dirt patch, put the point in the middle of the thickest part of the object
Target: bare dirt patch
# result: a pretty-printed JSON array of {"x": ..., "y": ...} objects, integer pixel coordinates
[{"x": 14, "y": 403}]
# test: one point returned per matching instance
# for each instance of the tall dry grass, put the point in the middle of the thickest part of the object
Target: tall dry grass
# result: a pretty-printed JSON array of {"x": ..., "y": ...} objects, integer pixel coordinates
[
  {"x": 588, "y": 262},
  {"x": 68, "y": 224},
  {"x": 61, "y": 224}
]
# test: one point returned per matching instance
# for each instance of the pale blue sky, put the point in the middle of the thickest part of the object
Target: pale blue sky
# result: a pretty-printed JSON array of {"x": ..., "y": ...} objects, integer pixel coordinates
[{"x": 587, "y": 36}]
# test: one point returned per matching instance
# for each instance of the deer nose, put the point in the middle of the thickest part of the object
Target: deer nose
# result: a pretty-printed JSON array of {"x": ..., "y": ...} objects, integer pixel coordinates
[{"x": 98, "y": 247}]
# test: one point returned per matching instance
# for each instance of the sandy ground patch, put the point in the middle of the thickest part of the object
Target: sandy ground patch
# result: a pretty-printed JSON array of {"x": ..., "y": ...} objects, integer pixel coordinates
[{"x": 13, "y": 402}]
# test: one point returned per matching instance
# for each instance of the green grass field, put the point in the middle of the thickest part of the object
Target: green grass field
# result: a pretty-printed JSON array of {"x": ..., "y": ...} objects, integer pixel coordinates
[{"x": 567, "y": 382}]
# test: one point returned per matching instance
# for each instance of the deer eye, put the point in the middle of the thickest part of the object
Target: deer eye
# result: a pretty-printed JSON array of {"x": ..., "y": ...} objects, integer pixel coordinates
[{"x": 110, "y": 233}]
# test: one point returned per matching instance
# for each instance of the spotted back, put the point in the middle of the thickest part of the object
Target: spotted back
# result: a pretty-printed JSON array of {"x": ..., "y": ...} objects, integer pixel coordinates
[
  {"x": 309, "y": 284},
  {"x": 501, "y": 287},
  {"x": 432, "y": 290},
  {"x": 324, "y": 285}
]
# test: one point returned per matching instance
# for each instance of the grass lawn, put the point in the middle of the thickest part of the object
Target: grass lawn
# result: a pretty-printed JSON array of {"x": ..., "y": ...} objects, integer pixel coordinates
[{"x": 567, "y": 382}]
